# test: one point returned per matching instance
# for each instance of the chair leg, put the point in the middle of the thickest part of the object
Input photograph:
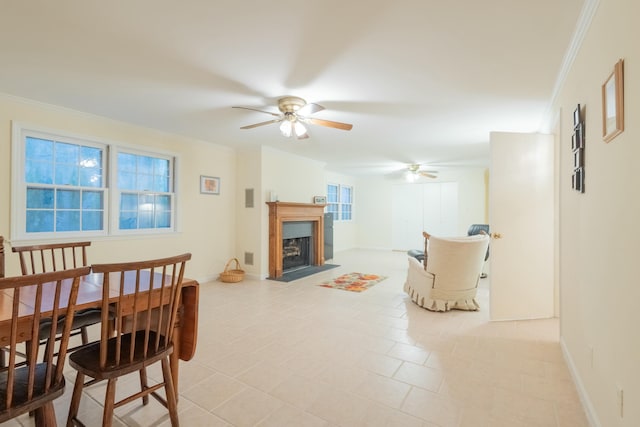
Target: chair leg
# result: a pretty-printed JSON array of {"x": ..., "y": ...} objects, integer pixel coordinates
[
  {"x": 170, "y": 392},
  {"x": 109, "y": 402},
  {"x": 75, "y": 399},
  {"x": 45, "y": 416},
  {"x": 144, "y": 385},
  {"x": 85, "y": 335}
]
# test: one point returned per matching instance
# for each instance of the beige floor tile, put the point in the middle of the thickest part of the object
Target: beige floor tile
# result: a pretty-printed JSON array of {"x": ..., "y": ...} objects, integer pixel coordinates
[
  {"x": 419, "y": 376},
  {"x": 383, "y": 390},
  {"x": 248, "y": 407},
  {"x": 296, "y": 354},
  {"x": 288, "y": 415}
]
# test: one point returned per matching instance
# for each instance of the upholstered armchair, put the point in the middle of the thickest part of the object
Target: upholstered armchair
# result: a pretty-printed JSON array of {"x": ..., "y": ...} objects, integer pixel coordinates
[{"x": 450, "y": 279}]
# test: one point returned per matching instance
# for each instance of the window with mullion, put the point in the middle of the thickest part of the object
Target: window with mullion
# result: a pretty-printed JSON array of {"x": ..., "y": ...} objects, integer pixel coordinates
[
  {"x": 146, "y": 199},
  {"x": 339, "y": 202},
  {"x": 64, "y": 186}
]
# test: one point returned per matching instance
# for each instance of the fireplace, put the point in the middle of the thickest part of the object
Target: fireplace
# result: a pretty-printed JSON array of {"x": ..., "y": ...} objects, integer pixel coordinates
[
  {"x": 297, "y": 249},
  {"x": 295, "y": 253},
  {"x": 296, "y": 236}
]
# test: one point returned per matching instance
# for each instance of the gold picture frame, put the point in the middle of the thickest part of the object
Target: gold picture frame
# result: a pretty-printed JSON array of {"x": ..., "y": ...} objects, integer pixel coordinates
[{"x": 613, "y": 103}]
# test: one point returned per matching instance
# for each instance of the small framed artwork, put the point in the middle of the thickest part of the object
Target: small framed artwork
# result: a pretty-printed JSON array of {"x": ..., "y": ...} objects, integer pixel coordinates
[
  {"x": 209, "y": 184},
  {"x": 578, "y": 159},
  {"x": 320, "y": 200},
  {"x": 577, "y": 180},
  {"x": 613, "y": 103},
  {"x": 576, "y": 117}
]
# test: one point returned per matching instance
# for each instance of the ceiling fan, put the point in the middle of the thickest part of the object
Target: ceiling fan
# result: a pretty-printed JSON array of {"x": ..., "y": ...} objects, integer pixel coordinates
[
  {"x": 414, "y": 172},
  {"x": 294, "y": 114}
]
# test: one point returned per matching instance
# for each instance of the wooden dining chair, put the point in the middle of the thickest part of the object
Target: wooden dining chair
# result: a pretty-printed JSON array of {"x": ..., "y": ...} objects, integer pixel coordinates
[
  {"x": 56, "y": 257},
  {"x": 140, "y": 306},
  {"x": 27, "y": 301}
]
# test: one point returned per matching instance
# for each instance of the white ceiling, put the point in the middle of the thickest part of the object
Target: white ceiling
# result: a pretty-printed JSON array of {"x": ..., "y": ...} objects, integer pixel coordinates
[{"x": 422, "y": 81}]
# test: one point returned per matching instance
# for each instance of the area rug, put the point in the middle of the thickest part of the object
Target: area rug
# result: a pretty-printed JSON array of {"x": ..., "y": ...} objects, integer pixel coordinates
[{"x": 354, "y": 282}]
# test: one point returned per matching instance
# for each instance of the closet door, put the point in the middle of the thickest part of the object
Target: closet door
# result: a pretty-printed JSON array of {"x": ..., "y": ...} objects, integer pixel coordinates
[
  {"x": 406, "y": 214},
  {"x": 431, "y": 207}
]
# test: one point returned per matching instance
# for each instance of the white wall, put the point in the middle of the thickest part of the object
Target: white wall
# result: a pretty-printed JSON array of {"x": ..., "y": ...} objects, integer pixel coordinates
[
  {"x": 599, "y": 233},
  {"x": 207, "y": 222},
  {"x": 373, "y": 204}
]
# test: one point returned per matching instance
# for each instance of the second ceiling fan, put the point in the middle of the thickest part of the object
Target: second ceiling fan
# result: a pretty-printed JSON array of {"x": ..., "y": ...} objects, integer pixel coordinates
[{"x": 294, "y": 114}]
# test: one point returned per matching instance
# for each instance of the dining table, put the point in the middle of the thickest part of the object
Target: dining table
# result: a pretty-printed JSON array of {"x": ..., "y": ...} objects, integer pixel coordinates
[{"x": 90, "y": 296}]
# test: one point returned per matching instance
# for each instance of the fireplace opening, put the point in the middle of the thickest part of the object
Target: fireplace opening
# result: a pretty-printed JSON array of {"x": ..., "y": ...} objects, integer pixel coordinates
[{"x": 296, "y": 253}]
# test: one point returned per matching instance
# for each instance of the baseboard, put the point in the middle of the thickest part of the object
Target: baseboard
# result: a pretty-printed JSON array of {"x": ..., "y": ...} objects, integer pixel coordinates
[{"x": 590, "y": 412}]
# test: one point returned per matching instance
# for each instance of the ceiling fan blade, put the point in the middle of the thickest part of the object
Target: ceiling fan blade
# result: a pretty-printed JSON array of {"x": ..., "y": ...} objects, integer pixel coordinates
[
  {"x": 260, "y": 111},
  {"x": 268, "y": 122},
  {"x": 329, "y": 123},
  {"x": 309, "y": 109},
  {"x": 428, "y": 174}
]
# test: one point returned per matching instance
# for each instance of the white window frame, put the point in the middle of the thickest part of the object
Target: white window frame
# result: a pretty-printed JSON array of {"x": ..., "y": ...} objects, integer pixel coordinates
[
  {"x": 339, "y": 203},
  {"x": 20, "y": 131},
  {"x": 114, "y": 217}
]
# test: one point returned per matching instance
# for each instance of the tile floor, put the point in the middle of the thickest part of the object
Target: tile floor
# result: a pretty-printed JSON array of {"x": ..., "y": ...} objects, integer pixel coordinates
[{"x": 296, "y": 354}]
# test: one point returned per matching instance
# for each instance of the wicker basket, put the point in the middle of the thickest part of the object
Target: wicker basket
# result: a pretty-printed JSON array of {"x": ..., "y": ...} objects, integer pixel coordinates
[{"x": 232, "y": 275}]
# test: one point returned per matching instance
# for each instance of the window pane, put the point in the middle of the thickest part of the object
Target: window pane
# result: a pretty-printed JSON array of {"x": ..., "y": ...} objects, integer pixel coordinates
[
  {"x": 129, "y": 202},
  {"x": 39, "y": 198},
  {"x": 345, "y": 194},
  {"x": 145, "y": 164},
  {"x": 145, "y": 183},
  {"x": 163, "y": 203},
  {"x": 92, "y": 220},
  {"x": 332, "y": 193},
  {"x": 68, "y": 199},
  {"x": 38, "y": 149},
  {"x": 163, "y": 220},
  {"x": 68, "y": 221},
  {"x": 92, "y": 200},
  {"x": 39, "y": 221},
  {"x": 145, "y": 219},
  {"x": 66, "y": 175},
  {"x": 67, "y": 154},
  {"x": 126, "y": 162},
  {"x": 126, "y": 180},
  {"x": 346, "y": 212},
  {"x": 161, "y": 167},
  {"x": 161, "y": 183},
  {"x": 36, "y": 172},
  {"x": 128, "y": 220},
  {"x": 91, "y": 177}
]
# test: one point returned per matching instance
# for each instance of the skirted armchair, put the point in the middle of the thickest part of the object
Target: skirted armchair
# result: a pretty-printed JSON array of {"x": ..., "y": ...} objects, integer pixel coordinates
[{"x": 449, "y": 280}]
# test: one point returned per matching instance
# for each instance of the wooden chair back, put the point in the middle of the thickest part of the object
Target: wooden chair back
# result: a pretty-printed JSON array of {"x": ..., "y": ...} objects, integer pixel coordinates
[
  {"x": 52, "y": 257},
  {"x": 151, "y": 331},
  {"x": 26, "y": 301}
]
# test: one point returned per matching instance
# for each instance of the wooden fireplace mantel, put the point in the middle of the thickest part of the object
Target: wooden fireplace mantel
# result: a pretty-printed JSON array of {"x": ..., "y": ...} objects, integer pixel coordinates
[{"x": 281, "y": 212}]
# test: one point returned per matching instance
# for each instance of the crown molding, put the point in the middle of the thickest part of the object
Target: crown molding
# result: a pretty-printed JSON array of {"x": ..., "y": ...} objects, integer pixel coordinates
[{"x": 582, "y": 26}]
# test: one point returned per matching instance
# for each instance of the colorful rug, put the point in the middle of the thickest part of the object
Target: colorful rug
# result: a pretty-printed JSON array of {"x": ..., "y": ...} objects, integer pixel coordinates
[{"x": 354, "y": 282}]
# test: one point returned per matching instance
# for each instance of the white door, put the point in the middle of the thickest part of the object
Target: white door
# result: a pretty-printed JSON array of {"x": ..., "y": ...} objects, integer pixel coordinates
[
  {"x": 431, "y": 207},
  {"x": 406, "y": 214},
  {"x": 521, "y": 196}
]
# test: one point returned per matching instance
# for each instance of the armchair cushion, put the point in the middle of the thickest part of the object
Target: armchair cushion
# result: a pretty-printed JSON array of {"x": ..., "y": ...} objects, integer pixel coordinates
[{"x": 451, "y": 279}]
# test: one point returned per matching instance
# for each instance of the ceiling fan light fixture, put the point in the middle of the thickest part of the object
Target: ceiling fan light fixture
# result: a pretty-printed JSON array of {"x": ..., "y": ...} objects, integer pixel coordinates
[
  {"x": 299, "y": 129},
  {"x": 286, "y": 128}
]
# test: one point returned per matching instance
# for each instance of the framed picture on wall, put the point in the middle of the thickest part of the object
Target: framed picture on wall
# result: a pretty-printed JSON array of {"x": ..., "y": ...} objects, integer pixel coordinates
[
  {"x": 209, "y": 184},
  {"x": 613, "y": 103}
]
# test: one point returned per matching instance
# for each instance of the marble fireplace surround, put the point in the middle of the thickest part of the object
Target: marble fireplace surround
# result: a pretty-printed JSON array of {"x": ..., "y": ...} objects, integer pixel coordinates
[{"x": 281, "y": 212}]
